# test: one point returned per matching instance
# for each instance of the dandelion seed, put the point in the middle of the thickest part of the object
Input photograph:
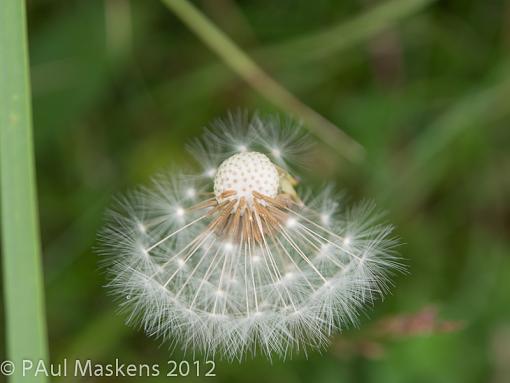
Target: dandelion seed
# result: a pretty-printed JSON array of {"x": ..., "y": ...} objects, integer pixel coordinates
[
  {"x": 210, "y": 172},
  {"x": 291, "y": 222},
  {"x": 141, "y": 227},
  {"x": 325, "y": 219},
  {"x": 179, "y": 212},
  {"x": 276, "y": 152},
  {"x": 191, "y": 193},
  {"x": 238, "y": 261}
]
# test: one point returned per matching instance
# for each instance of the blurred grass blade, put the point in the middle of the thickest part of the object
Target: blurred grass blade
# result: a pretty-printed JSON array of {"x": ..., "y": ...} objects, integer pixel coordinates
[
  {"x": 429, "y": 160},
  {"x": 23, "y": 287},
  {"x": 259, "y": 80},
  {"x": 316, "y": 46}
]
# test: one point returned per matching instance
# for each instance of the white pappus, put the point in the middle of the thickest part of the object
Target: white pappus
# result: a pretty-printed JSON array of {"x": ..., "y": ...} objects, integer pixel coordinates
[{"x": 234, "y": 261}]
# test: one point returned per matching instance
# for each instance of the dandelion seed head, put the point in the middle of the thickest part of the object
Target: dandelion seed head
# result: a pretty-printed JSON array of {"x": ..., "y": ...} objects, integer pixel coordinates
[
  {"x": 236, "y": 260},
  {"x": 245, "y": 173}
]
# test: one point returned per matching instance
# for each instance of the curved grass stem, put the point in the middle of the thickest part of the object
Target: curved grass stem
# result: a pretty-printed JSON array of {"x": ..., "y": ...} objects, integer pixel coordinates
[{"x": 261, "y": 81}]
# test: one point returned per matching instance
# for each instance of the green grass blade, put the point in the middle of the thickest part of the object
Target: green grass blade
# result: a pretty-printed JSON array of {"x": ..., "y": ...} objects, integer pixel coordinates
[{"x": 23, "y": 286}]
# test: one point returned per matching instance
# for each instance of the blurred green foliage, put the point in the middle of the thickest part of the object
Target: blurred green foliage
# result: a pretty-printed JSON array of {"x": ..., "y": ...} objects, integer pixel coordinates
[{"x": 120, "y": 86}]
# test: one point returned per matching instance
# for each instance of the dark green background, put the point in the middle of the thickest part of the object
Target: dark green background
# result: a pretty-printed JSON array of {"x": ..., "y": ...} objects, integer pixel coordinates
[{"x": 120, "y": 86}]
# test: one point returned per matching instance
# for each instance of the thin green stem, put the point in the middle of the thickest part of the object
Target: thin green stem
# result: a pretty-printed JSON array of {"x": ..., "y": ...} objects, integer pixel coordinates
[
  {"x": 259, "y": 80},
  {"x": 23, "y": 285}
]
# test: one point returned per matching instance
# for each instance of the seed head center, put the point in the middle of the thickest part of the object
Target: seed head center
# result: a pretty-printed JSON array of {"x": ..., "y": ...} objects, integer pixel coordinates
[{"x": 245, "y": 173}]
